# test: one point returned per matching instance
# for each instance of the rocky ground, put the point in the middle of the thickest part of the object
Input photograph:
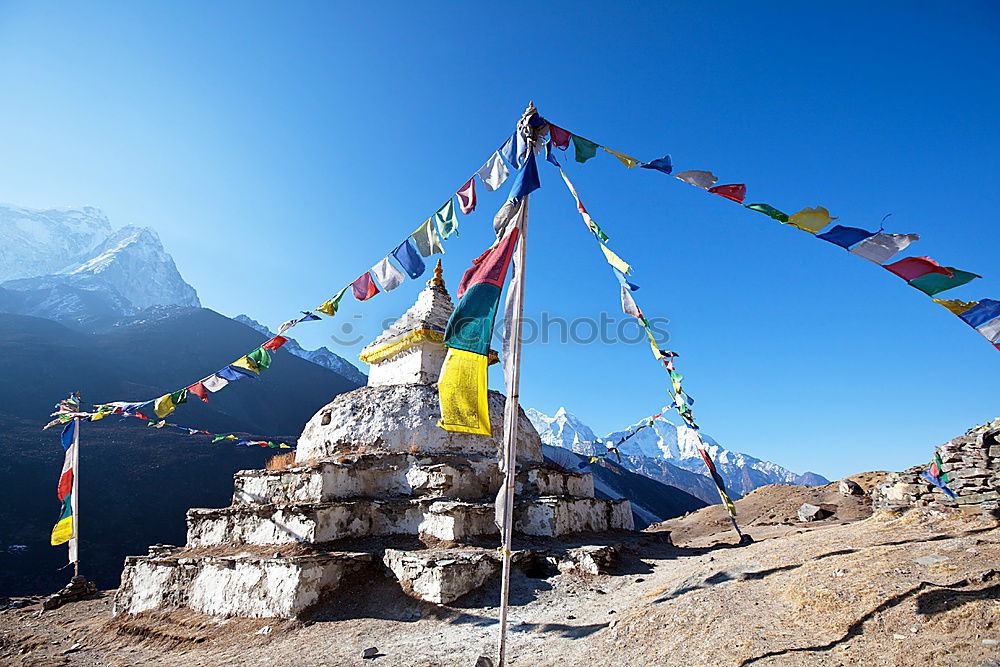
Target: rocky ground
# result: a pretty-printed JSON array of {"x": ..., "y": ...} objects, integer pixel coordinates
[{"x": 852, "y": 589}]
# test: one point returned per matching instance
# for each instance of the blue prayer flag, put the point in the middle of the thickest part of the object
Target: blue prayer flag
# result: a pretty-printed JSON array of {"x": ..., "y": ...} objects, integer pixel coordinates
[
  {"x": 232, "y": 373},
  {"x": 981, "y": 313},
  {"x": 307, "y": 316},
  {"x": 409, "y": 259},
  {"x": 67, "y": 434},
  {"x": 624, "y": 281},
  {"x": 550, "y": 157},
  {"x": 513, "y": 149},
  {"x": 845, "y": 237},
  {"x": 660, "y": 164},
  {"x": 526, "y": 180}
]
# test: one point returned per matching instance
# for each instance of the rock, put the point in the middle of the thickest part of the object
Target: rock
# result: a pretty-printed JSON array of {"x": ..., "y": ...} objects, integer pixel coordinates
[
  {"x": 78, "y": 588},
  {"x": 991, "y": 642},
  {"x": 483, "y": 661},
  {"x": 370, "y": 653},
  {"x": 849, "y": 487},
  {"x": 810, "y": 512},
  {"x": 441, "y": 575},
  {"x": 589, "y": 559},
  {"x": 264, "y": 630},
  {"x": 932, "y": 559}
]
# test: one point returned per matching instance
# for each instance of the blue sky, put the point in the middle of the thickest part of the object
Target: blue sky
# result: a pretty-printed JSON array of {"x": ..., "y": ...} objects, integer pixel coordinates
[{"x": 280, "y": 149}]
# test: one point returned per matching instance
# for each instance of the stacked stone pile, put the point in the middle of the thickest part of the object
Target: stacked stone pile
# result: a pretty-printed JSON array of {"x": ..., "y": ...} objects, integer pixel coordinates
[{"x": 972, "y": 462}]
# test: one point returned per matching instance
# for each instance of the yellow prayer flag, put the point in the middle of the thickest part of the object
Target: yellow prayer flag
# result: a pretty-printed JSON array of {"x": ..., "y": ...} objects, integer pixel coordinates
[
  {"x": 164, "y": 405},
  {"x": 955, "y": 305},
  {"x": 247, "y": 363},
  {"x": 62, "y": 532},
  {"x": 616, "y": 261},
  {"x": 654, "y": 346},
  {"x": 462, "y": 392},
  {"x": 811, "y": 219},
  {"x": 626, "y": 160}
]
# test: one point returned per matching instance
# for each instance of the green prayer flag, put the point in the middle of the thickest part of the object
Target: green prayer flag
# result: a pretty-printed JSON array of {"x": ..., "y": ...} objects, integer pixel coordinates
[
  {"x": 446, "y": 219},
  {"x": 585, "y": 148},
  {"x": 179, "y": 397},
  {"x": 261, "y": 357},
  {"x": 596, "y": 229},
  {"x": 218, "y": 437},
  {"x": 934, "y": 283},
  {"x": 768, "y": 210}
]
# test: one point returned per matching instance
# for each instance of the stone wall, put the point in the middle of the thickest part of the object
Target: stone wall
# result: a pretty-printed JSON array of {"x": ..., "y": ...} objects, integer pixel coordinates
[{"x": 972, "y": 462}]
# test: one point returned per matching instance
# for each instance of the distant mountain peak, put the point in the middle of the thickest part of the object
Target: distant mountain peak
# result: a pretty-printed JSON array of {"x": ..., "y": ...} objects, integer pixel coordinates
[
  {"x": 36, "y": 242},
  {"x": 320, "y": 356}
]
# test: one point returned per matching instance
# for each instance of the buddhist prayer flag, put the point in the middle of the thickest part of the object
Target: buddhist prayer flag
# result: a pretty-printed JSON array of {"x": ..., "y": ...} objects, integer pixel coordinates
[
  {"x": 467, "y": 196},
  {"x": 244, "y": 363},
  {"x": 615, "y": 261},
  {"x": 308, "y": 317},
  {"x": 736, "y": 192},
  {"x": 164, "y": 405},
  {"x": 426, "y": 239},
  {"x": 409, "y": 259},
  {"x": 811, "y": 219},
  {"x": 882, "y": 247},
  {"x": 587, "y": 220},
  {"x": 845, "y": 237},
  {"x": 935, "y": 283},
  {"x": 629, "y": 306},
  {"x": 274, "y": 343},
  {"x": 698, "y": 178},
  {"x": 446, "y": 219},
  {"x": 232, "y": 373},
  {"x": 331, "y": 305},
  {"x": 623, "y": 280},
  {"x": 286, "y": 326},
  {"x": 199, "y": 390},
  {"x": 63, "y": 531},
  {"x": 769, "y": 211},
  {"x": 462, "y": 387},
  {"x": 514, "y": 150},
  {"x": 462, "y": 390},
  {"x": 981, "y": 313},
  {"x": 526, "y": 180},
  {"x": 585, "y": 148},
  {"x": 560, "y": 137},
  {"x": 991, "y": 330},
  {"x": 388, "y": 276},
  {"x": 956, "y": 306},
  {"x": 364, "y": 287},
  {"x": 261, "y": 358},
  {"x": 626, "y": 160},
  {"x": 492, "y": 174},
  {"x": 214, "y": 382},
  {"x": 663, "y": 164},
  {"x": 914, "y": 267},
  {"x": 719, "y": 483}
]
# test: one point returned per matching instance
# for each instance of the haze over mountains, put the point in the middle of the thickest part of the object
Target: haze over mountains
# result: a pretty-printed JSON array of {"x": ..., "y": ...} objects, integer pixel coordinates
[{"x": 669, "y": 453}]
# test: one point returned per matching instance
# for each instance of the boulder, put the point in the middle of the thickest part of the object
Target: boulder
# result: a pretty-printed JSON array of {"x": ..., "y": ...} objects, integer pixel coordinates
[
  {"x": 810, "y": 512},
  {"x": 441, "y": 575},
  {"x": 849, "y": 487}
]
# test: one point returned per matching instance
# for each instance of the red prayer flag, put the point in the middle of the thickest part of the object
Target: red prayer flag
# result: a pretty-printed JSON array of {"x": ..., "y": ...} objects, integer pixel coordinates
[
  {"x": 364, "y": 287},
  {"x": 199, "y": 390},
  {"x": 736, "y": 191},
  {"x": 65, "y": 484},
  {"x": 914, "y": 267},
  {"x": 491, "y": 266},
  {"x": 274, "y": 343},
  {"x": 467, "y": 196},
  {"x": 560, "y": 137}
]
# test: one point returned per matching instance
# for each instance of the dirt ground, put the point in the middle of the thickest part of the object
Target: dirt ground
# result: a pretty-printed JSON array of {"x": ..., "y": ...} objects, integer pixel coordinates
[{"x": 918, "y": 589}]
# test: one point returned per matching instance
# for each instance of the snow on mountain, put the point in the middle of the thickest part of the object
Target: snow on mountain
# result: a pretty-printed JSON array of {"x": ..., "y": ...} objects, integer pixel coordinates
[
  {"x": 677, "y": 446},
  {"x": 39, "y": 242},
  {"x": 563, "y": 430},
  {"x": 321, "y": 356},
  {"x": 133, "y": 261}
]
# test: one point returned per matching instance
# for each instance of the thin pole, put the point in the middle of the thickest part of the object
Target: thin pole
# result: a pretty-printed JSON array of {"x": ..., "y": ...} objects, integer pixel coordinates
[
  {"x": 510, "y": 419},
  {"x": 74, "y": 542}
]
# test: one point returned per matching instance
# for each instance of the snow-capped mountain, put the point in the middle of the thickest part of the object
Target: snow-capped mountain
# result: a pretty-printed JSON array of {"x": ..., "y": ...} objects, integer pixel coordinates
[
  {"x": 39, "y": 242},
  {"x": 563, "y": 430},
  {"x": 321, "y": 356},
  {"x": 675, "y": 446},
  {"x": 98, "y": 275}
]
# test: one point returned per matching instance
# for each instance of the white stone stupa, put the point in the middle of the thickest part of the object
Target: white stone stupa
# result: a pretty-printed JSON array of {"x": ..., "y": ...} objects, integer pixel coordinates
[{"x": 372, "y": 463}]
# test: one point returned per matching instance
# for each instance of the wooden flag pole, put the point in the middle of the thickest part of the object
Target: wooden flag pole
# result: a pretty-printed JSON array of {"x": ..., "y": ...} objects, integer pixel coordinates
[
  {"x": 511, "y": 407},
  {"x": 74, "y": 542}
]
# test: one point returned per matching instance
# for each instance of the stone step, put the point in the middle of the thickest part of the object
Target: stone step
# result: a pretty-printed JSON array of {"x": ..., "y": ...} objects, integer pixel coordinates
[
  {"x": 396, "y": 475},
  {"x": 234, "y": 585},
  {"x": 443, "y": 519}
]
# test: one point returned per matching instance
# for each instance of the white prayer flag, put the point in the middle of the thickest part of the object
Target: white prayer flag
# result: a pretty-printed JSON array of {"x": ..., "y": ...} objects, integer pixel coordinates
[
  {"x": 698, "y": 178},
  {"x": 628, "y": 304},
  {"x": 494, "y": 172},
  {"x": 286, "y": 326},
  {"x": 881, "y": 247},
  {"x": 991, "y": 330},
  {"x": 389, "y": 277},
  {"x": 214, "y": 383}
]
